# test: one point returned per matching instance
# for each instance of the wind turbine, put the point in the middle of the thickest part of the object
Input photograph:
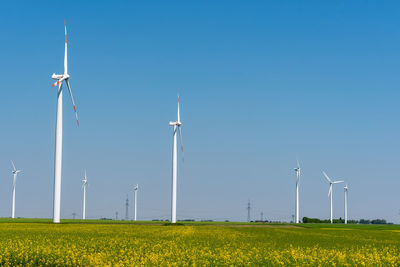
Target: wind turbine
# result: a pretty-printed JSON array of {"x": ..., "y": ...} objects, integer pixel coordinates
[
  {"x": 298, "y": 171},
  {"x": 59, "y": 125},
  {"x": 135, "y": 189},
  {"x": 345, "y": 203},
  {"x": 176, "y": 126},
  {"x": 85, "y": 183},
  {"x": 15, "y": 173},
  {"x": 330, "y": 193}
]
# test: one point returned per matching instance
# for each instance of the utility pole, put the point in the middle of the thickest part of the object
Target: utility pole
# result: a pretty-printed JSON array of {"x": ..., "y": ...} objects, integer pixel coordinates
[
  {"x": 116, "y": 215},
  {"x": 73, "y": 215},
  {"x": 126, "y": 207},
  {"x": 262, "y": 216},
  {"x": 248, "y": 211}
]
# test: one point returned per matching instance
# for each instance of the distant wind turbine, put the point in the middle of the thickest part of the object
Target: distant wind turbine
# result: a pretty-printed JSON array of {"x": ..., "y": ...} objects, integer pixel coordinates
[
  {"x": 126, "y": 207},
  {"x": 177, "y": 127},
  {"x": 59, "y": 125},
  {"x": 84, "y": 184},
  {"x": 135, "y": 189},
  {"x": 345, "y": 203},
  {"x": 15, "y": 173},
  {"x": 330, "y": 193},
  {"x": 298, "y": 171}
]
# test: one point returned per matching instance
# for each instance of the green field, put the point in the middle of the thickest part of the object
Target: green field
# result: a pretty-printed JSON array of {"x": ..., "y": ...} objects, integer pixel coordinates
[{"x": 123, "y": 243}]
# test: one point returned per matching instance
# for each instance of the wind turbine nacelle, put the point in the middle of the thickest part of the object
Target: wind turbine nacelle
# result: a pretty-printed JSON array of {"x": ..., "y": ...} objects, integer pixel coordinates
[{"x": 56, "y": 76}]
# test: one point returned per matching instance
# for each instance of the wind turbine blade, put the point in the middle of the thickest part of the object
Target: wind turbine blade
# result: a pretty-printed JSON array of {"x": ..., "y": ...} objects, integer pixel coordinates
[
  {"x": 180, "y": 136},
  {"x": 326, "y": 176},
  {"x": 13, "y": 165},
  {"x": 58, "y": 82},
  {"x": 73, "y": 102},
  {"x": 179, "y": 116},
  {"x": 338, "y": 182},
  {"x": 65, "y": 55},
  {"x": 298, "y": 164},
  {"x": 330, "y": 190}
]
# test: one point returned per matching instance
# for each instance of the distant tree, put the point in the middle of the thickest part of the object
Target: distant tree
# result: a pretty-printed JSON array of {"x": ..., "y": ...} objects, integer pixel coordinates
[
  {"x": 340, "y": 220},
  {"x": 311, "y": 220},
  {"x": 316, "y": 220},
  {"x": 378, "y": 221}
]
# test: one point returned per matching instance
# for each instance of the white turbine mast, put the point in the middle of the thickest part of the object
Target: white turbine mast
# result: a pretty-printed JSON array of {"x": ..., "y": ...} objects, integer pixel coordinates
[
  {"x": 298, "y": 173},
  {"x": 330, "y": 192},
  {"x": 15, "y": 173},
  {"x": 176, "y": 128},
  {"x": 135, "y": 189},
  {"x": 345, "y": 203},
  {"x": 61, "y": 78},
  {"x": 84, "y": 185}
]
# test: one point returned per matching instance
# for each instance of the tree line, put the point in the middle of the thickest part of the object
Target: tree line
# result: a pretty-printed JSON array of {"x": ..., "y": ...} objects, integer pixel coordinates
[{"x": 340, "y": 220}]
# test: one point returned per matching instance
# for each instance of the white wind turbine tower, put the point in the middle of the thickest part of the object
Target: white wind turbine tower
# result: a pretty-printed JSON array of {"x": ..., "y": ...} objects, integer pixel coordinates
[
  {"x": 59, "y": 125},
  {"x": 15, "y": 173},
  {"x": 345, "y": 203},
  {"x": 330, "y": 193},
  {"x": 298, "y": 172},
  {"x": 135, "y": 189},
  {"x": 85, "y": 183},
  {"x": 177, "y": 127}
]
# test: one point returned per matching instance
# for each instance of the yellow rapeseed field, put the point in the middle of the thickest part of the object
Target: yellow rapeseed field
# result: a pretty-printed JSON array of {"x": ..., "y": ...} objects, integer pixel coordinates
[{"x": 43, "y": 244}]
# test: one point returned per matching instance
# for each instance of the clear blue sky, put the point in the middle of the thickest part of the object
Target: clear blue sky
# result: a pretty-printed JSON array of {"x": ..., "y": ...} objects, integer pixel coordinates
[{"x": 261, "y": 82}]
